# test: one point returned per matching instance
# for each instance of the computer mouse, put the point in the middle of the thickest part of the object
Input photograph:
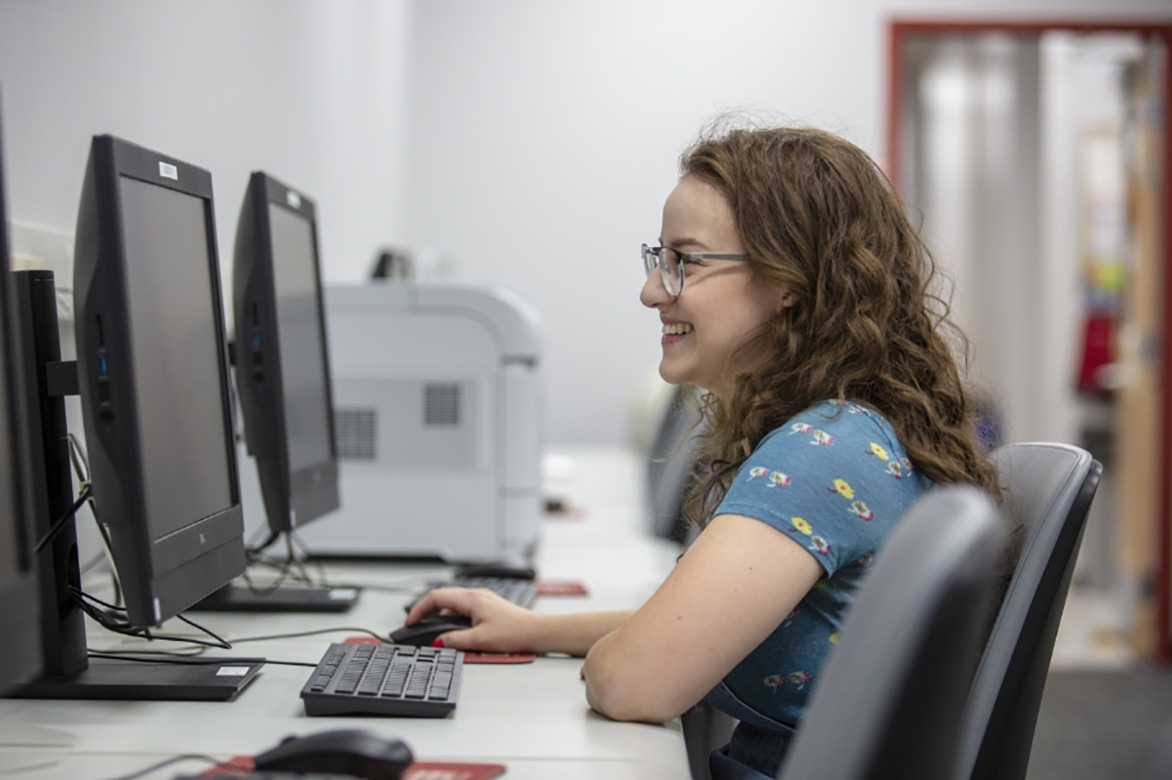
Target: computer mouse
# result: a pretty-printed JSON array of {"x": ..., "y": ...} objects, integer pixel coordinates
[
  {"x": 423, "y": 633},
  {"x": 354, "y": 752},
  {"x": 509, "y": 570}
]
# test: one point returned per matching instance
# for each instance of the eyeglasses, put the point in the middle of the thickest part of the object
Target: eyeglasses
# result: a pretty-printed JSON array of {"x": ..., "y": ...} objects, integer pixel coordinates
[{"x": 671, "y": 264}]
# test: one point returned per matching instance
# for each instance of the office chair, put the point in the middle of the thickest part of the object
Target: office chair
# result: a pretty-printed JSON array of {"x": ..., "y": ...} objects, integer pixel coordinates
[
  {"x": 889, "y": 700},
  {"x": 671, "y": 464},
  {"x": 1049, "y": 492}
]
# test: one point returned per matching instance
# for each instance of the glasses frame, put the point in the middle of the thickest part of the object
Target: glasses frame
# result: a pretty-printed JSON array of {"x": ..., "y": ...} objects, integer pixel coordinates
[{"x": 653, "y": 258}]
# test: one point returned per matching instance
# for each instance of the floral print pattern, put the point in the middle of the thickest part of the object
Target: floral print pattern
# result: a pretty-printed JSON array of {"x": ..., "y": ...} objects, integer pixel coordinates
[{"x": 834, "y": 479}]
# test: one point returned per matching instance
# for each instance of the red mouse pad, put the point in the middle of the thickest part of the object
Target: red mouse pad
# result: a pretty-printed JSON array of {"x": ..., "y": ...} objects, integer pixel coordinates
[
  {"x": 560, "y": 588},
  {"x": 469, "y": 658},
  {"x": 446, "y": 770},
  {"x": 420, "y": 770},
  {"x": 499, "y": 658}
]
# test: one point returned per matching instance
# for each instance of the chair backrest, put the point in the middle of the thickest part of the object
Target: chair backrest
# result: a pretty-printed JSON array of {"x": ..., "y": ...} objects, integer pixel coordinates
[
  {"x": 671, "y": 464},
  {"x": 889, "y": 699},
  {"x": 1049, "y": 491}
]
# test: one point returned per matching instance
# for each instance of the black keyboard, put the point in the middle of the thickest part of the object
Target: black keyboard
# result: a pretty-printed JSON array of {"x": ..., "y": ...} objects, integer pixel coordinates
[
  {"x": 394, "y": 680},
  {"x": 521, "y": 592}
]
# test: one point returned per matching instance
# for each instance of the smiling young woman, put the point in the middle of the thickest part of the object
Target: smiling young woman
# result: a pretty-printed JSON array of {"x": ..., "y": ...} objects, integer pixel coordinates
[{"x": 791, "y": 287}]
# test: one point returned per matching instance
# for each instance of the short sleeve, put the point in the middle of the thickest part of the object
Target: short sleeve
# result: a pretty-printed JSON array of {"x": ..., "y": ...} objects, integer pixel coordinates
[{"x": 834, "y": 478}]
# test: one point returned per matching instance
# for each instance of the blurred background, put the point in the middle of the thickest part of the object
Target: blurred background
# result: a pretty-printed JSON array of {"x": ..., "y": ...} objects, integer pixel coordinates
[{"x": 531, "y": 143}]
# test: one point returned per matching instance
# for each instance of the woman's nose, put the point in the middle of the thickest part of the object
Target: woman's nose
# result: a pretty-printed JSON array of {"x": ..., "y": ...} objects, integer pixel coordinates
[{"x": 654, "y": 294}]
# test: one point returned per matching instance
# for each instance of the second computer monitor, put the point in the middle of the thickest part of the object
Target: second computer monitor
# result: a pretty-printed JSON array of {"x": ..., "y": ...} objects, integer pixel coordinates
[{"x": 282, "y": 363}]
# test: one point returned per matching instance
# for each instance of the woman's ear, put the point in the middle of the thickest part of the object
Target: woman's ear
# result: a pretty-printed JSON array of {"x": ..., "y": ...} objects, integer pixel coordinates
[{"x": 787, "y": 299}]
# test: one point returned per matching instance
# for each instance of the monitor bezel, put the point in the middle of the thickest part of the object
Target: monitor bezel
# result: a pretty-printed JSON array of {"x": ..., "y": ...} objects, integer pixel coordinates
[
  {"x": 292, "y": 498},
  {"x": 160, "y": 576}
]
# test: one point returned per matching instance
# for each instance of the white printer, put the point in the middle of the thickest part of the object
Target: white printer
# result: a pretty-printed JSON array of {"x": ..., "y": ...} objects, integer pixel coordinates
[{"x": 438, "y": 409}]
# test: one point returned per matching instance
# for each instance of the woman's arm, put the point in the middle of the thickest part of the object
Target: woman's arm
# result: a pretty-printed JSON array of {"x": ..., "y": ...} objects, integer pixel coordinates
[
  {"x": 502, "y": 627},
  {"x": 733, "y": 588}
]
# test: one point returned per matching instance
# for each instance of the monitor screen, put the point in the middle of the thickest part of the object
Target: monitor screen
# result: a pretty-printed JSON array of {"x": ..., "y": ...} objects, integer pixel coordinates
[
  {"x": 282, "y": 364},
  {"x": 175, "y": 343},
  {"x": 299, "y": 330},
  {"x": 20, "y": 637},
  {"x": 153, "y": 378}
]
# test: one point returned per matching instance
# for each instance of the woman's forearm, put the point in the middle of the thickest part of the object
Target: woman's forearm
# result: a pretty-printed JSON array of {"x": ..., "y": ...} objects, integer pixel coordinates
[{"x": 575, "y": 634}]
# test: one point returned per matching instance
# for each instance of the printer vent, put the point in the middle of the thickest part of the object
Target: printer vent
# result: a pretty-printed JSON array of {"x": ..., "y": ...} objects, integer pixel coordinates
[
  {"x": 441, "y": 404},
  {"x": 356, "y": 429}
]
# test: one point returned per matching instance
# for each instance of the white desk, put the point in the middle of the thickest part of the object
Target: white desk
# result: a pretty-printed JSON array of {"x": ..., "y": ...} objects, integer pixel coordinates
[{"x": 531, "y": 717}]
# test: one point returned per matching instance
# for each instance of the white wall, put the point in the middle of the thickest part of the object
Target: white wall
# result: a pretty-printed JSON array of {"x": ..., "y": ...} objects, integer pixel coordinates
[
  {"x": 544, "y": 137},
  {"x": 312, "y": 92},
  {"x": 531, "y": 140}
]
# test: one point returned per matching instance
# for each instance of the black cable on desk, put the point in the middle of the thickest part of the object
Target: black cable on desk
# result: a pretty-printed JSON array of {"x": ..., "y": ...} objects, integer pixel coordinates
[
  {"x": 108, "y": 619},
  {"x": 180, "y": 661},
  {"x": 215, "y": 762},
  {"x": 317, "y": 632},
  {"x": 379, "y": 588}
]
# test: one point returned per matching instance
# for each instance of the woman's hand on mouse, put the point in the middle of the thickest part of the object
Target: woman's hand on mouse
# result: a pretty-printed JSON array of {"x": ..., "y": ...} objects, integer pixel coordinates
[{"x": 498, "y": 625}]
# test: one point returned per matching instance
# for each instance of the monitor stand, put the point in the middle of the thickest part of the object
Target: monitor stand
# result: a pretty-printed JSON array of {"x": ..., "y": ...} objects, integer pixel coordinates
[
  {"x": 287, "y": 598},
  {"x": 147, "y": 680}
]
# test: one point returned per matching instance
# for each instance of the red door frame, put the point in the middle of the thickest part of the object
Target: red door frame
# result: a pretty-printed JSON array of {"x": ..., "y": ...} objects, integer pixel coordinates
[{"x": 900, "y": 30}]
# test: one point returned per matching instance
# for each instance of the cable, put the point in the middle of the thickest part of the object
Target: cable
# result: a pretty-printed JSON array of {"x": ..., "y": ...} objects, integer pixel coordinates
[
  {"x": 216, "y": 763},
  {"x": 110, "y": 622},
  {"x": 317, "y": 632},
  {"x": 186, "y": 652},
  {"x": 164, "y": 659},
  {"x": 291, "y": 567},
  {"x": 105, "y": 534},
  {"x": 273, "y": 536},
  {"x": 111, "y": 656},
  {"x": 79, "y": 458},
  {"x": 267, "y": 590},
  {"x": 284, "y": 569},
  {"x": 81, "y": 467},
  {"x": 57, "y": 527},
  {"x": 223, "y": 642},
  {"x": 295, "y": 539},
  {"x": 381, "y": 588}
]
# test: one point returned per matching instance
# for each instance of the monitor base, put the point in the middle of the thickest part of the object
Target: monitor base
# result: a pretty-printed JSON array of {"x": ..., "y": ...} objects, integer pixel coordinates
[
  {"x": 239, "y": 598},
  {"x": 213, "y": 679}
]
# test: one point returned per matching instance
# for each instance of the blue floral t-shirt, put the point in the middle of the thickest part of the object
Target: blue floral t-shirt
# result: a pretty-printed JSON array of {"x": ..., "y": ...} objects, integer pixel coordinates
[{"x": 835, "y": 479}]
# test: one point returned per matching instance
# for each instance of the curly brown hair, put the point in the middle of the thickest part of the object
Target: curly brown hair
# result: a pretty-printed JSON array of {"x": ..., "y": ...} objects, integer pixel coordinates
[{"x": 818, "y": 217}]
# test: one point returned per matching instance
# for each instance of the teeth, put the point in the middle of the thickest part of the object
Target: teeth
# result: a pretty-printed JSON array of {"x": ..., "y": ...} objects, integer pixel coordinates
[{"x": 676, "y": 329}]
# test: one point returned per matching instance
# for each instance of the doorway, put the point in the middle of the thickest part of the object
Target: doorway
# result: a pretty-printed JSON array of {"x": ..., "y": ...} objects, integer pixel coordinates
[{"x": 1037, "y": 155}]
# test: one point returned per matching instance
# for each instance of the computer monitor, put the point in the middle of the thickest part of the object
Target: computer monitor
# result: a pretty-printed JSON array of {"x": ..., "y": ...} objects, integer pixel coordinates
[
  {"x": 152, "y": 373},
  {"x": 20, "y": 635},
  {"x": 282, "y": 369},
  {"x": 153, "y": 378},
  {"x": 283, "y": 380}
]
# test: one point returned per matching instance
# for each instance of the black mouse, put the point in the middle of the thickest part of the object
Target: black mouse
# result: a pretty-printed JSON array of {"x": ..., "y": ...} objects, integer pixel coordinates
[
  {"x": 423, "y": 633},
  {"x": 509, "y": 570},
  {"x": 344, "y": 752}
]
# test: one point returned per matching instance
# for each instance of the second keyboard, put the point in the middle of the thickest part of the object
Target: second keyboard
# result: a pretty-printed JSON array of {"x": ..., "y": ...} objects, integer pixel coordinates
[{"x": 520, "y": 592}]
